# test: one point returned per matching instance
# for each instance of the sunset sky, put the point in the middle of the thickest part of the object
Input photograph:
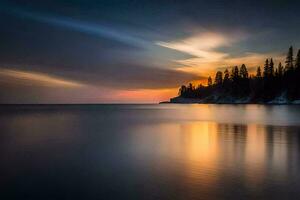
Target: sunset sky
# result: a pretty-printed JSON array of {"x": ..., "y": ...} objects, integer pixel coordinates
[{"x": 135, "y": 51}]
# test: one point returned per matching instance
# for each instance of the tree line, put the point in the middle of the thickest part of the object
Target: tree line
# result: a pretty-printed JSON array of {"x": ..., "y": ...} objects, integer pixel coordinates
[{"x": 263, "y": 86}]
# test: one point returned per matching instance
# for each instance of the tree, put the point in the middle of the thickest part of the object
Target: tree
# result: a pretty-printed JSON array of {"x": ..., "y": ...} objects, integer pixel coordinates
[
  {"x": 190, "y": 87},
  {"x": 219, "y": 78},
  {"x": 182, "y": 90},
  {"x": 256, "y": 85},
  {"x": 226, "y": 79},
  {"x": 289, "y": 76},
  {"x": 271, "y": 68},
  {"x": 235, "y": 73},
  {"x": 226, "y": 82},
  {"x": 235, "y": 77},
  {"x": 209, "y": 81},
  {"x": 289, "y": 62},
  {"x": 269, "y": 83},
  {"x": 258, "y": 72},
  {"x": 297, "y": 76},
  {"x": 226, "y": 76},
  {"x": 266, "y": 68},
  {"x": 278, "y": 78},
  {"x": 243, "y": 72},
  {"x": 280, "y": 70},
  {"x": 190, "y": 91},
  {"x": 297, "y": 64}
]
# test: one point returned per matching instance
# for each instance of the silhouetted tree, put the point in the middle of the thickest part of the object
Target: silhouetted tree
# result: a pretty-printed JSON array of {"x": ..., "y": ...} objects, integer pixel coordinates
[
  {"x": 278, "y": 78},
  {"x": 219, "y": 78},
  {"x": 289, "y": 76},
  {"x": 209, "y": 81},
  {"x": 266, "y": 68},
  {"x": 182, "y": 90},
  {"x": 297, "y": 63},
  {"x": 263, "y": 87},
  {"x": 267, "y": 80},
  {"x": 280, "y": 69},
  {"x": 235, "y": 77},
  {"x": 243, "y": 82},
  {"x": 271, "y": 68},
  {"x": 226, "y": 75},
  {"x": 243, "y": 72},
  {"x": 190, "y": 88},
  {"x": 258, "y": 72},
  {"x": 235, "y": 73},
  {"x": 297, "y": 76},
  {"x": 226, "y": 82},
  {"x": 289, "y": 62}
]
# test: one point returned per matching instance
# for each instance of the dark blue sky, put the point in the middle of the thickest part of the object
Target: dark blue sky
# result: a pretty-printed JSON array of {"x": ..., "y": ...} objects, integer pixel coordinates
[{"x": 132, "y": 51}]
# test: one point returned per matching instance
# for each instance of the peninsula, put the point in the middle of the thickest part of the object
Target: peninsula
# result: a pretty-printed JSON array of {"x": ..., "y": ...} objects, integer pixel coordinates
[{"x": 270, "y": 85}]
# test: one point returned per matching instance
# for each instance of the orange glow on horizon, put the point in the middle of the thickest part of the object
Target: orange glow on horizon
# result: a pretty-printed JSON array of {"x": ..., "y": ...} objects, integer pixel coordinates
[{"x": 147, "y": 95}]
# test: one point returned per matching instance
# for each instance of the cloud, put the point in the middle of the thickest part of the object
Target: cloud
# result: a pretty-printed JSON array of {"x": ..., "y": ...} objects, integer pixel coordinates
[
  {"x": 132, "y": 76},
  {"x": 102, "y": 60},
  {"x": 73, "y": 54},
  {"x": 207, "y": 56},
  {"x": 201, "y": 45},
  {"x": 99, "y": 30},
  {"x": 35, "y": 79},
  {"x": 128, "y": 77},
  {"x": 252, "y": 60},
  {"x": 20, "y": 86}
]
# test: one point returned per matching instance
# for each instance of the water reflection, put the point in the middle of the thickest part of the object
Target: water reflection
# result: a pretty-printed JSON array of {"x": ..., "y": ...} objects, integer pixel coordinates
[
  {"x": 150, "y": 152},
  {"x": 218, "y": 156}
]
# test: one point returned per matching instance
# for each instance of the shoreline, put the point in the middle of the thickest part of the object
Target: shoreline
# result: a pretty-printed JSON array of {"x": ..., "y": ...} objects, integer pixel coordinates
[{"x": 181, "y": 100}]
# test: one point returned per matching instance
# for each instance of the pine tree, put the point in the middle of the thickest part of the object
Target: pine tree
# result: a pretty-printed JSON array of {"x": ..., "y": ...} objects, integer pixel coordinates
[
  {"x": 243, "y": 72},
  {"x": 258, "y": 72},
  {"x": 269, "y": 82},
  {"x": 266, "y": 68},
  {"x": 219, "y": 78},
  {"x": 226, "y": 81},
  {"x": 235, "y": 73},
  {"x": 297, "y": 64},
  {"x": 190, "y": 87},
  {"x": 226, "y": 75},
  {"x": 209, "y": 81},
  {"x": 297, "y": 75},
  {"x": 276, "y": 73},
  {"x": 280, "y": 69},
  {"x": 182, "y": 90},
  {"x": 271, "y": 68},
  {"x": 289, "y": 62}
]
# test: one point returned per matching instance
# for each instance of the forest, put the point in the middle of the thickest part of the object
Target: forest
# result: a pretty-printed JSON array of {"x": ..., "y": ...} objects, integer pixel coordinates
[{"x": 268, "y": 84}]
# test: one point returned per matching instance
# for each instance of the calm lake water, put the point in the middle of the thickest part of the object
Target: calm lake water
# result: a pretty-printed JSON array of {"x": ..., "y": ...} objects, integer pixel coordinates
[{"x": 150, "y": 152}]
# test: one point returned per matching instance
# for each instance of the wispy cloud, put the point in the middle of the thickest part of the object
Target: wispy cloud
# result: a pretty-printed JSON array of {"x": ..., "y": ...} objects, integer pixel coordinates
[
  {"x": 95, "y": 29},
  {"x": 200, "y": 66},
  {"x": 200, "y": 45},
  {"x": 36, "y": 79},
  {"x": 207, "y": 56}
]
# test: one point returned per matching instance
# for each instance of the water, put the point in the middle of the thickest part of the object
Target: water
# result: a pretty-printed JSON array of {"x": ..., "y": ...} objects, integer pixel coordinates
[{"x": 150, "y": 152}]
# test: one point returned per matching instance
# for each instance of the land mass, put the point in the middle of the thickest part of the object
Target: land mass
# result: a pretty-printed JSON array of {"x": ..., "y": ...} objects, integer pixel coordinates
[
  {"x": 270, "y": 85},
  {"x": 231, "y": 100}
]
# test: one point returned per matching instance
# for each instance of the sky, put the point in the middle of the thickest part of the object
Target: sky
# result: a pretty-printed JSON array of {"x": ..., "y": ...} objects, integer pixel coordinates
[{"x": 121, "y": 51}]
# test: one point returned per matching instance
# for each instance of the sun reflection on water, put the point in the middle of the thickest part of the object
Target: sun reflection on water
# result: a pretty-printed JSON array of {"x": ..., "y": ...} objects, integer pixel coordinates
[
  {"x": 173, "y": 151},
  {"x": 211, "y": 152}
]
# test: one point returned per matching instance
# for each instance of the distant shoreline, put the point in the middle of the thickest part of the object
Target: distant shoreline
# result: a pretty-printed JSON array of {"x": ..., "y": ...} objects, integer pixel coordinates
[
  {"x": 182, "y": 100},
  {"x": 267, "y": 104},
  {"x": 270, "y": 85}
]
